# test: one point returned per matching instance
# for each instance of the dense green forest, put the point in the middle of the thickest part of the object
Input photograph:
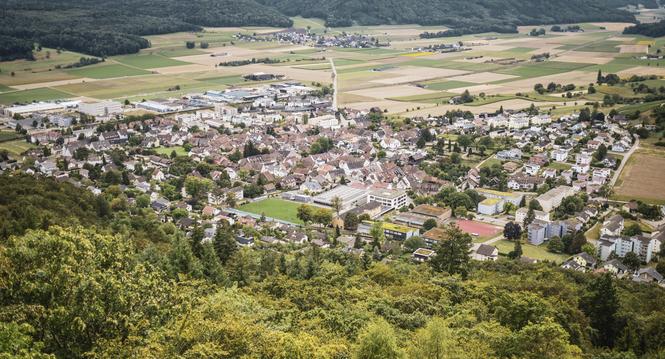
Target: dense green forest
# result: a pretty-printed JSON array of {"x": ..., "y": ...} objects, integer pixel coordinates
[
  {"x": 112, "y": 281},
  {"x": 456, "y": 13},
  {"x": 656, "y": 29},
  {"x": 104, "y": 28}
]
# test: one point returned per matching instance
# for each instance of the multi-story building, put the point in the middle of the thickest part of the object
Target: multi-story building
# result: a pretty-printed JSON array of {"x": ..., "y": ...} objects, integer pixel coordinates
[
  {"x": 390, "y": 198},
  {"x": 552, "y": 198}
]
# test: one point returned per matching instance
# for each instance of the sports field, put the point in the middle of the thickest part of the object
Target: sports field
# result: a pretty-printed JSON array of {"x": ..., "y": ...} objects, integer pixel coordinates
[
  {"x": 479, "y": 231},
  {"x": 16, "y": 147},
  {"x": 274, "y": 208}
]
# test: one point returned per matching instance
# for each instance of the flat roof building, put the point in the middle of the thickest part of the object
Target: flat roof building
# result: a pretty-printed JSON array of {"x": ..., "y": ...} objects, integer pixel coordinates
[
  {"x": 394, "y": 199},
  {"x": 100, "y": 109},
  {"x": 350, "y": 197},
  {"x": 552, "y": 198}
]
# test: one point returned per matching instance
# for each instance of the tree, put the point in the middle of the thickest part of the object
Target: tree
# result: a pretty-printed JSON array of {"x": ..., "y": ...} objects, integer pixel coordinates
[
  {"x": 190, "y": 44},
  {"x": 452, "y": 253},
  {"x": 632, "y": 261},
  {"x": 632, "y": 229},
  {"x": 516, "y": 253},
  {"x": 336, "y": 204},
  {"x": 377, "y": 234},
  {"x": 545, "y": 340},
  {"x": 225, "y": 244},
  {"x": 435, "y": 341},
  {"x": 378, "y": 341},
  {"x": 304, "y": 213},
  {"x": 429, "y": 224},
  {"x": 351, "y": 221},
  {"x": 512, "y": 231},
  {"x": 555, "y": 245},
  {"x": 198, "y": 187},
  {"x": 601, "y": 305},
  {"x": 413, "y": 243}
]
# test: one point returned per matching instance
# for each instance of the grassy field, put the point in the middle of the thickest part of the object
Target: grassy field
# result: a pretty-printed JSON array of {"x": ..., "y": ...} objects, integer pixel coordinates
[
  {"x": 179, "y": 150},
  {"x": 149, "y": 61},
  {"x": 40, "y": 94},
  {"x": 593, "y": 233},
  {"x": 642, "y": 178},
  {"x": 16, "y": 147},
  {"x": 107, "y": 71},
  {"x": 8, "y": 136},
  {"x": 536, "y": 252},
  {"x": 447, "y": 85},
  {"x": 275, "y": 208}
]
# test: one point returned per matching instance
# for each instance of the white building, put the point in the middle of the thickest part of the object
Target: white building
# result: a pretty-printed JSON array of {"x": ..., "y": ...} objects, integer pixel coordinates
[
  {"x": 389, "y": 198},
  {"x": 552, "y": 198},
  {"x": 100, "y": 109}
]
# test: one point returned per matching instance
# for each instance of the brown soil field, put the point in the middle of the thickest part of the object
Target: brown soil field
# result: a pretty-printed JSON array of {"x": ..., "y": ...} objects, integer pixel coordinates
[
  {"x": 392, "y": 91},
  {"x": 413, "y": 74},
  {"x": 643, "y": 71},
  {"x": 642, "y": 49},
  {"x": 643, "y": 178}
]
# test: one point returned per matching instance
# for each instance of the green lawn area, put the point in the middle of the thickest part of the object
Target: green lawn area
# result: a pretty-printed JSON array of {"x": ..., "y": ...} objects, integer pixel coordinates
[
  {"x": 148, "y": 61},
  {"x": 8, "y": 136},
  {"x": 447, "y": 85},
  {"x": 593, "y": 233},
  {"x": 531, "y": 251},
  {"x": 643, "y": 226},
  {"x": 522, "y": 49},
  {"x": 179, "y": 51},
  {"x": 16, "y": 147},
  {"x": 4, "y": 88},
  {"x": 602, "y": 46},
  {"x": 179, "y": 150},
  {"x": 107, "y": 71},
  {"x": 490, "y": 162},
  {"x": 560, "y": 166},
  {"x": 275, "y": 208},
  {"x": 426, "y": 98},
  {"x": 40, "y": 94}
]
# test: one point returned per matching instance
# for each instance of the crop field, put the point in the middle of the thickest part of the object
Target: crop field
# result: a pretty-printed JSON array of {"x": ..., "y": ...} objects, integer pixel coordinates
[
  {"x": 642, "y": 178},
  {"x": 403, "y": 76},
  {"x": 274, "y": 208},
  {"x": 40, "y": 94},
  {"x": 149, "y": 61},
  {"x": 107, "y": 71}
]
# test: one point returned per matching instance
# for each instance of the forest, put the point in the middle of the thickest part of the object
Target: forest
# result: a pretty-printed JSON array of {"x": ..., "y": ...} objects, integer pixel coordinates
[
  {"x": 656, "y": 29},
  {"x": 459, "y": 14},
  {"x": 106, "y": 278},
  {"x": 104, "y": 28}
]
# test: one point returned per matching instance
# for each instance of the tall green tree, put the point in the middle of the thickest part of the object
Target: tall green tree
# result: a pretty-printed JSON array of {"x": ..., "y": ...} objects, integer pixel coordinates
[
  {"x": 452, "y": 253},
  {"x": 601, "y": 305},
  {"x": 378, "y": 341}
]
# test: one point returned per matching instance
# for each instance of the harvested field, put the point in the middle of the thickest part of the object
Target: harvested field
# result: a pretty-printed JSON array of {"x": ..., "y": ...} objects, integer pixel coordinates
[
  {"x": 641, "y": 49},
  {"x": 412, "y": 74},
  {"x": 583, "y": 58},
  {"x": 482, "y": 77},
  {"x": 392, "y": 91},
  {"x": 642, "y": 71},
  {"x": 642, "y": 178}
]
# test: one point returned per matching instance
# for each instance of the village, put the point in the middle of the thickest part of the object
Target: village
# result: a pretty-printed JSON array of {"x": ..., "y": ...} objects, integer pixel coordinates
[{"x": 282, "y": 166}]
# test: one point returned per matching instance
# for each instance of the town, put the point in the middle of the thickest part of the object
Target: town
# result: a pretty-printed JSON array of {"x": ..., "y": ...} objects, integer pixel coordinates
[{"x": 279, "y": 164}]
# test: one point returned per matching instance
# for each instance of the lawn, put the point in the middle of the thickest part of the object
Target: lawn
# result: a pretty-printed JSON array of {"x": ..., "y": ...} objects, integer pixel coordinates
[
  {"x": 16, "y": 147},
  {"x": 529, "y": 250},
  {"x": 4, "y": 88},
  {"x": 274, "y": 208},
  {"x": 560, "y": 166},
  {"x": 8, "y": 136},
  {"x": 593, "y": 233},
  {"x": 107, "y": 71},
  {"x": 148, "y": 61},
  {"x": 179, "y": 150},
  {"x": 542, "y": 69},
  {"x": 40, "y": 94}
]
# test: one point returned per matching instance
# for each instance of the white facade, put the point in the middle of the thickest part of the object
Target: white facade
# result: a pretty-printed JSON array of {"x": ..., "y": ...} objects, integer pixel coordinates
[
  {"x": 392, "y": 199},
  {"x": 101, "y": 109}
]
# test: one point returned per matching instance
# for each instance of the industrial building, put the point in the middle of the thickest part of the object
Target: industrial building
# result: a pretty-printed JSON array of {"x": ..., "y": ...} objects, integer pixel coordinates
[
  {"x": 101, "y": 109},
  {"x": 349, "y": 196},
  {"x": 389, "y": 198}
]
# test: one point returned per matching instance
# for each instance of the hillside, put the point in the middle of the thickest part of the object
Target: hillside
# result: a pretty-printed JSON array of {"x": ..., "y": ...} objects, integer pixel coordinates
[
  {"x": 103, "y": 28},
  {"x": 455, "y": 13}
]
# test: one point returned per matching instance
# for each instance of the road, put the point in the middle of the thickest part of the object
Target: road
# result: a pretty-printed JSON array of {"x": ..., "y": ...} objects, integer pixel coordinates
[
  {"x": 334, "y": 81},
  {"x": 624, "y": 160}
]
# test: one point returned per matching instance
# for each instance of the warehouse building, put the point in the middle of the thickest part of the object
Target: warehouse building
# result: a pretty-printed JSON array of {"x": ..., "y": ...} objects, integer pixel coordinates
[
  {"x": 100, "y": 109},
  {"x": 349, "y": 196}
]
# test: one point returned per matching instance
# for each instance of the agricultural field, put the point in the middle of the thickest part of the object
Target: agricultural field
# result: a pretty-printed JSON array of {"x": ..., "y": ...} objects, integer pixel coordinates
[
  {"x": 642, "y": 178},
  {"x": 274, "y": 208},
  {"x": 403, "y": 76}
]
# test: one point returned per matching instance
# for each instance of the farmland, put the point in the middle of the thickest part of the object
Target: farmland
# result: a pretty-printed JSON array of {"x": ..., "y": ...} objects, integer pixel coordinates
[
  {"x": 15, "y": 147},
  {"x": 404, "y": 76},
  {"x": 642, "y": 178}
]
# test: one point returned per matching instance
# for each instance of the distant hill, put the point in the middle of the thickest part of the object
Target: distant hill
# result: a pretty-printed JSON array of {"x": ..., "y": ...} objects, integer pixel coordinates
[
  {"x": 105, "y": 28},
  {"x": 655, "y": 29},
  {"x": 457, "y": 13}
]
